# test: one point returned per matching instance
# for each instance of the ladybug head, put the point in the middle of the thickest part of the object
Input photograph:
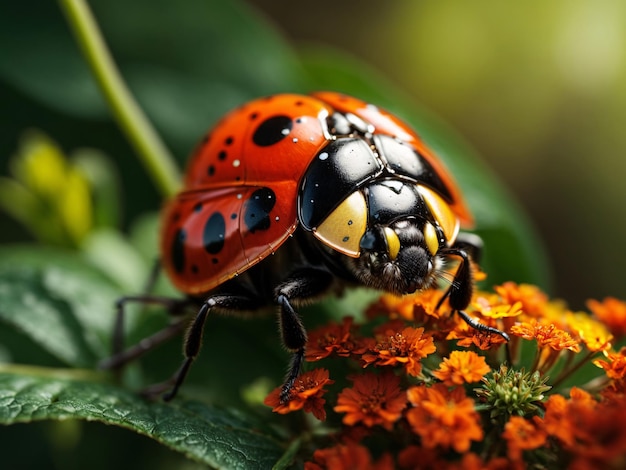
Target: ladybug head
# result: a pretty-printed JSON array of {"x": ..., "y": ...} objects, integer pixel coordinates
[
  {"x": 389, "y": 234},
  {"x": 399, "y": 258}
]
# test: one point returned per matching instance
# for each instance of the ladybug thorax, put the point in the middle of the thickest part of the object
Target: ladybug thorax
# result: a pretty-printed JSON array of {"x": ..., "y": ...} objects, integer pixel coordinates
[{"x": 375, "y": 202}]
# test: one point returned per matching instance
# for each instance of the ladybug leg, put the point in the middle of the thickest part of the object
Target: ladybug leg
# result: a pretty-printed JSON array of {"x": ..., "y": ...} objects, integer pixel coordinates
[
  {"x": 193, "y": 339},
  {"x": 459, "y": 293},
  {"x": 120, "y": 357},
  {"x": 471, "y": 243},
  {"x": 303, "y": 285},
  {"x": 118, "y": 328}
]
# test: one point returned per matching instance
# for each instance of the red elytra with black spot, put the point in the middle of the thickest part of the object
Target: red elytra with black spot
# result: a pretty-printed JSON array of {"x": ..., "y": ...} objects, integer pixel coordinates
[{"x": 239, "y": 201}]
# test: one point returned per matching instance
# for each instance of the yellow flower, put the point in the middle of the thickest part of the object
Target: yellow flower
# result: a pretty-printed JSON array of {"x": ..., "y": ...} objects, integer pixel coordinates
[
  {"x": 50, "y": 195},
  {"x": 591, "y": 332}
]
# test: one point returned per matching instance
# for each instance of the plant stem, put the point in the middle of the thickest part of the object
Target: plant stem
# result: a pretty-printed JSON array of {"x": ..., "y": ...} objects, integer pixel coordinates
[{"x": 129, "y": 116}]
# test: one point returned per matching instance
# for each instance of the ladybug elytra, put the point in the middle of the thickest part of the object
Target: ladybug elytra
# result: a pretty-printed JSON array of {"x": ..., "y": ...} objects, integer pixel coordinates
[{"x": 292, "y": 195}]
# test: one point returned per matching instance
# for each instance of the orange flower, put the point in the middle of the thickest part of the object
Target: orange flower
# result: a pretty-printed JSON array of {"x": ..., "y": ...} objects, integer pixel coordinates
[
  {"x": 420, "y": 307},
  {"x": 615, "y": 390},
  {"x": 483, "y": 340},
  {"x": 416, "y": 457},
  {"x": 349, "y": 456},
  {"x": 332, "y": 338},
  {"x": 471, "y": 461},
  {"x": 477, "y": 273},
  {"x": 462, "y": 367},
  {"x": 372, "y": 400},
  {"x": 532, "y": 298},
  {"x": 419, "y": 458},
  {"x": 615, "y": 368},
  {"x": 591, "y": 431},
  {"x": 443, "y": 418},
  {"x": 407, "y": 347},
  {"x": 611, "y": 312},
  {"x": 556, "y": 419},
  {"x": 306, "y": 394},
  {"x": 546, "y": 335},
  {"x": 425, "y": 305},
  {"x": 489, "y": 306},
  {"x": 522, "y": 434}
]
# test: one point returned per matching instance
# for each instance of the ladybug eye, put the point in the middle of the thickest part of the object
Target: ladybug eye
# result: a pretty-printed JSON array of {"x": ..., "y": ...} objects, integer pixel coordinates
[
  {"x": 381, "y": 240},
  {"x": 441, "y": 212},
  {"x": 272, "y": 130},
  {"x": 393, "y": 242},
  {"x": 431, "y": 238},
  {"x": 343, "y": 228}
]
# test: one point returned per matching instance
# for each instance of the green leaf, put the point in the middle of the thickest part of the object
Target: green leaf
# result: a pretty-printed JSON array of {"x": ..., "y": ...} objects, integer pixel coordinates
[
  {"x": 218, "y": 437},
  {"x": 111, "y": 252},
  {"x": 27, "y": 302},
  {"x": 512, "y": 249},
  {"x": 58, "y": 300},
  {"x": 39, "y": 58}
]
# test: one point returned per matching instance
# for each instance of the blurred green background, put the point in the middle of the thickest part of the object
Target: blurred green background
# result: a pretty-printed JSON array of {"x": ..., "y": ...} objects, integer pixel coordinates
[{"x": 538, "y": 88}]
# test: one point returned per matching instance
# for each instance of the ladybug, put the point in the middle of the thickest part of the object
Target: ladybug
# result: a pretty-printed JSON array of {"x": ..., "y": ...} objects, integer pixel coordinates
[{"x": 290, "y": 196}]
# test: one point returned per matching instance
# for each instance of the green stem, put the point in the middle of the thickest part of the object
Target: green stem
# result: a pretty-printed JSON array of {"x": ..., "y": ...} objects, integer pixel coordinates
[
  {"x": 131, "y": 119},
  {"x": 566, "y": 373}
]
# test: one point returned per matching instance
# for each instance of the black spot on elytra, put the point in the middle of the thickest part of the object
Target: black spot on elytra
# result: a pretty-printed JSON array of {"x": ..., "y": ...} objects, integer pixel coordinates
[
  {"x": 194, "y": 268},
  {"x": 197, "y": 207},
  {"x": 211, "y": 170},
  {"x": 222, "y": 155},
  {"x": 256, "y": 210},
  {"x": 253, "y": 116},
  {"x": 178, "y": 250},
  {"x": 233, "y": 216},
  {"x": 272, "y": 130},
  {"x": 229, "y": 140},
  {"x": 214, "y": 233}
]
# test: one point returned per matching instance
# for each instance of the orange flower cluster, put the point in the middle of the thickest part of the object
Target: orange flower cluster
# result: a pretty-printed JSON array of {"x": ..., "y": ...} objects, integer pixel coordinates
[
  {"x": 406, "y": 347},
  {"x": 435, "y": 393},
  {"x": 373, "y": 400},
  {"x": 349, "y": 456},
  {"x": 306, "y": 394},
  {"x": 443, "y": 417}
]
